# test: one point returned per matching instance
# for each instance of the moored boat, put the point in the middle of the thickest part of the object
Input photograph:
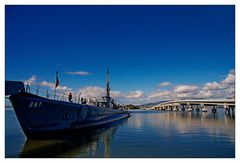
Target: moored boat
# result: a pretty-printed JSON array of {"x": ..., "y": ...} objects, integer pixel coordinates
[{"x": 39, "y": 116}]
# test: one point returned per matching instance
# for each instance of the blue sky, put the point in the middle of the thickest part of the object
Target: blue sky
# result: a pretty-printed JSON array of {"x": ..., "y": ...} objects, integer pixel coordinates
[{"x": 143, "y": 46}]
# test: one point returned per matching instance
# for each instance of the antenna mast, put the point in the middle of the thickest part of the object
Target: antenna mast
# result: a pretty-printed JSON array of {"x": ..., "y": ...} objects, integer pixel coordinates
[{"x": 107, "y": 85}]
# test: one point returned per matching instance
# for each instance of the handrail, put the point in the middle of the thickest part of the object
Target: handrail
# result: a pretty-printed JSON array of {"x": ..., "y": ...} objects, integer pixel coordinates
[{"x": 49, "y": 94}]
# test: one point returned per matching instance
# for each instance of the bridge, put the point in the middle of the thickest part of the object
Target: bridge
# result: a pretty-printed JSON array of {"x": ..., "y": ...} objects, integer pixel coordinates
[{"x": 203, "y": 105}]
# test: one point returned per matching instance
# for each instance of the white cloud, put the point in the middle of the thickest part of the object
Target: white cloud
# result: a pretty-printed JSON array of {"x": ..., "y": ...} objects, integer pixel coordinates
[
  {"x": 98, "y": 92},
  {"x": 230, "y": 79},
  {"x": 52, "y": 86},
  {"x": 92, "y": 91},
  {"x": 47, "y": 84},
  {"x": 31, "y": 80},
  {"x": 213, "y": 86},
  {"x": 222, "y": 89},
  {"x": 211, "y": 94},
  {"x": 185, "y": 95},
  {"x": 229, "y": 83},
  {"x": 116, "y": 94},
  {"x": 185, "y": 89},
  {"x": 230, "y": 92},
  {"x": 161, "y": 95},
  {"x": 136, "y": 101},
  {"x": 135, "y": 94},
  {"x": 164, "y": 84},
  {"x": 205, "y": 94},
  {"x": 83, "y": 73}
]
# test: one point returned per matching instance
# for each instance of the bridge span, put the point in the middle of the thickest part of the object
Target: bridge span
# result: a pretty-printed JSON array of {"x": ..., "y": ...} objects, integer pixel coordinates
[{"x": 198, "y": 105}]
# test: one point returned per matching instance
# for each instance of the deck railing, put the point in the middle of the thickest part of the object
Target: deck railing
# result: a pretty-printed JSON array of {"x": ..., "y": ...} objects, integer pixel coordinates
[
  {"x": 49, "y": 94},
  {"x": 63, "y": 96}
]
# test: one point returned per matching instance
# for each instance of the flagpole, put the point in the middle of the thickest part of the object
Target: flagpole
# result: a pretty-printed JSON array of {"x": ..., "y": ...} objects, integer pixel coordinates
[
  {"x": 56, "y": 84},
  {"x": 54, "y": 93}
]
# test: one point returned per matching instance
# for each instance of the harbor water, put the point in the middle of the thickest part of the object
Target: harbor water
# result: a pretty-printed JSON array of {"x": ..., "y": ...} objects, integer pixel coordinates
[{"x": 146, "y": 134}]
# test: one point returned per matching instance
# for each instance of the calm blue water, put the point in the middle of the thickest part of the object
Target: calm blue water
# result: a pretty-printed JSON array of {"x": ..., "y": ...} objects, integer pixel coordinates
[{"x": 149, "y": 134}]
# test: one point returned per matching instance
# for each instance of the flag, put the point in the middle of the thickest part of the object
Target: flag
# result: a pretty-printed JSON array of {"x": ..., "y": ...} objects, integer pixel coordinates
[{"x": 57, "y": 81}]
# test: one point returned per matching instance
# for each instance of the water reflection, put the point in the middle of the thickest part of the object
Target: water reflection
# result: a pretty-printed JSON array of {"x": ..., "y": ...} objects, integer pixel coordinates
[
  {"x": 87, "y": 144},
  {"x": 187, "y": 123},
  {"x": 146, "y": 134}
]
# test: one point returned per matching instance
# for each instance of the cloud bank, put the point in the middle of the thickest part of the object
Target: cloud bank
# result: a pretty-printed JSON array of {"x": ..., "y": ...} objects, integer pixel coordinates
[
  {"x": 222, "y": 89},
  {"x": 213, "y": 89},
  {"x": 52, "y": 86}
]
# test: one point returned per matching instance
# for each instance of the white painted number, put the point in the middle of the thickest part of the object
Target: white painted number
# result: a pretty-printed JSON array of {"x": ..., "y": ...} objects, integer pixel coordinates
[
  {"x": 35, "y": 104},
  {"x": 31, "y": 104}
]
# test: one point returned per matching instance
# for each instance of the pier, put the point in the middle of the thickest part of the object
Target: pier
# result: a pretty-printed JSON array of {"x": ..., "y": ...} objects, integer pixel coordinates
[{"x": 197, "y": 105}]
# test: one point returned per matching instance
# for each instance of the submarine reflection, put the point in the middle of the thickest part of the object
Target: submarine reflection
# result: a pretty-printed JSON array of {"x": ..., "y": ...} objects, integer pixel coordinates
[{"x": 87, "y": 144}]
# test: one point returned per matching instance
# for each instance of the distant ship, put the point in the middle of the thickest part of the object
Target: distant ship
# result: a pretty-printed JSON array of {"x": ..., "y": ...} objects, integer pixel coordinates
[{"x": 39, "y": 116}]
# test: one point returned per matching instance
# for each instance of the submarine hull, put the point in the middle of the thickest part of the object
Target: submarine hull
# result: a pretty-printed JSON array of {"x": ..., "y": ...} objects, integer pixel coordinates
[{"x": 39, "y": 116}]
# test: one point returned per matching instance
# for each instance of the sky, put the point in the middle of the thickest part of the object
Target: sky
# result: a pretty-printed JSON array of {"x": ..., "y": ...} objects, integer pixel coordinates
[{"x": 153, "y": 53}]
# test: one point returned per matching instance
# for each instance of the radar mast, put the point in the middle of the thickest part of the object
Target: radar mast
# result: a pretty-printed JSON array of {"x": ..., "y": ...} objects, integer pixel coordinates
[{"x": 107, "y": 85}]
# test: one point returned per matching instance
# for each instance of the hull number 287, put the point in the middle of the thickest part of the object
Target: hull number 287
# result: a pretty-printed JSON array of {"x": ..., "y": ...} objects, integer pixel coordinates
[{"x": 35, "y": 104}]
